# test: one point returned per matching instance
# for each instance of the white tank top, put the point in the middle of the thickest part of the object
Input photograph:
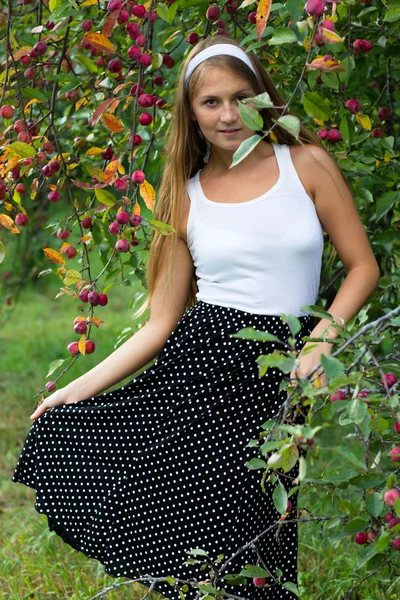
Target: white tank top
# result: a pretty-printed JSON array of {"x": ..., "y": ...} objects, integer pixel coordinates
[{"x": 262, "y": 256}]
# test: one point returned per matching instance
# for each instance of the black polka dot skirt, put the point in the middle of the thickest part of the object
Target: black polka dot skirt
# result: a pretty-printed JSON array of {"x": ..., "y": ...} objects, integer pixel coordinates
[{"x": 138, "y": 476}]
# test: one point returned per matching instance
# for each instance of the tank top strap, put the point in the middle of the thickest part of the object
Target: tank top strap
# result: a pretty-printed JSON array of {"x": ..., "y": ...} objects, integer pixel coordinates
[{"x": 286, "y": 157}]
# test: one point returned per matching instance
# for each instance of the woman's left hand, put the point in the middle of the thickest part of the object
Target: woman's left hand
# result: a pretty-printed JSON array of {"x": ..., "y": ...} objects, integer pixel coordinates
[{"x": 309, "y": 361}]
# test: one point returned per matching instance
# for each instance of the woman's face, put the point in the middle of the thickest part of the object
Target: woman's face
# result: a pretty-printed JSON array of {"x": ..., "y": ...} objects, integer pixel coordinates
[{"x": 215, "y": 107}]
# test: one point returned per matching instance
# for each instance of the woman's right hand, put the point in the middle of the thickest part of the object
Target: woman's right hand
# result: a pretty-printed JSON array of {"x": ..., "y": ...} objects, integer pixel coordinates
[{"x": 60, "y": 397}]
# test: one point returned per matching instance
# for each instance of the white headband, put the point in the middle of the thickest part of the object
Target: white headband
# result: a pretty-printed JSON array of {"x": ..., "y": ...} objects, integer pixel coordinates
[{"x": 215, "y": 50}]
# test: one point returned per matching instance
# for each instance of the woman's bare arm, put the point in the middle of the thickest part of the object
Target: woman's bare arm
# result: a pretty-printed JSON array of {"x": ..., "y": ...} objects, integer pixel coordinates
[{"x": 143, "y": 346}]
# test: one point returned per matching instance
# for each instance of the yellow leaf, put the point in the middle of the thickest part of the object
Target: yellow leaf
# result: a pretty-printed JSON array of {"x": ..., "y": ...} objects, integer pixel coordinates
[
  {"x": 9, "y": 206},
  {"x": 121, "y": 169},
  {"x": 111, "y": 170},
  {"x": 377, "y": 163},
  {"x": 364, "y": 121},
  {"x": 86, "y": 238},
  {"x": 82, "y": 344},
  {"x": 33, "y": 101},
  {"x": 72, "y": 277},
  {"x": 72, "y": 166},
  {"x": 21, "y": 52},
  {"x": 79, "y": 319},
  {"x": 262, "y": 14},
  {"x": 112, "y": 123},
  {"x": 330, "y": 37},
  {"x": 96, "y": 172},
  {"x": 68, "y": 292},
  {"x": 93, "y": 151},
  {"x": 273, "y": 137},
  {"x": 387, "y": 157},
  {"x": 136, "y": 210},
  {"x": 148, "y": 194},
  {"x": 81, "y": 102},
  {"x": 97, "y": 322},
  {"x": 99, "y": 41},
  {"x": 8, "y": 223},
  {"x": 89, "y": 2},
  {"x": 54, "y": 256},
  {"x": 318, "y": 121},
  {"x": 76, "y": 204}
]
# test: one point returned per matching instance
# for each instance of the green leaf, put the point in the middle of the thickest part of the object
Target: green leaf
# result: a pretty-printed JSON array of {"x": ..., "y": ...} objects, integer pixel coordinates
[
  {"x": 53, "y": 4},
  {"x": 330, "y": 80},
  {"x": 349, "y": 65},
  {"x": 72, "y": 277},
  {"x": 356, "y": 525},
  {"x": 256, "y": 463},
  {"x": 276, "y": 359},
  {"x": 162, "y": 12},
  {"x": 251, "y": 117},
  {"x": 69, "y": 87},
  {"x": 280, "y": 498},
  {"x": 172, "y": 11},
  {"x": 369, "y": 480},
  {"x": 105, "y": 197},
  {"x": 293, "y": 322},
  {"x": 290, "y": 123},
  {"x": 357, "y": 409},
  {"x": 392, "y": 15},
  {"x": 254, "y": 571},
  {"x": 316, "y": 311},
  {"x": 163, "y": 228},
  {"x": 385, "y": 203},
  {"x": 374, "y": 504},
  {"x": 382, "y": 542},
  {"x": 316, "y": 106},
  {"x": 2, "y": 252},
  {"x": 197, "y": 552},
  {"x": 34, "y": 93},
  {"x": 290, "y": 456},
  {"x": 365, "y": 555},
  {"x": 332, "y": 366},
  {"x": 347, "y": 130},
  {"x": 269, "y": 446},
  {"x": 282, "y": 35},
  {"x": 23, "y": 150},
  {"x": 288, "y": 585},
  {"x": 261, "y": 101},
  {"x": 54, "y": 366},
  {"x": 244, "y": 149},
  {"x": 233, "y": 579},
  {"x": 249, "y": 333}
]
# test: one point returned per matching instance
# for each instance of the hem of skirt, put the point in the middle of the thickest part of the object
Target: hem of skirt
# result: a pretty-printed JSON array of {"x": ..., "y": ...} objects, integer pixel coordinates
[{"x": 68, "y": 538}]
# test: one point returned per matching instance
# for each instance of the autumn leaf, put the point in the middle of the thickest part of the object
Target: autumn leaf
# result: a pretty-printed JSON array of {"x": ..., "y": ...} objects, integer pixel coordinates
[
  {"x": 54, "y": 256},
  {"x": 148, "y": 194},
  {"x": 94, "y": 151},
  {"x": 101, "y": 108},
  {"x": 110, "y": 22},
  {"x": 262, "y": 14},
  {"x": 111, "y": 170},
  {"x": 330, "y": 37},
  {"x": 97, "y": 322},
  {"x": 112, "y": 123},
  {"x": 99, "y": 41},
  {"x": 8, "y": 223},
  {"x": 82, "y": 344},
  {"x": 325, "y": 64},
  {"x": 364, "y": 121},
  {"x": 21, "y": 52},
  {"x": 136, "y": 210}
]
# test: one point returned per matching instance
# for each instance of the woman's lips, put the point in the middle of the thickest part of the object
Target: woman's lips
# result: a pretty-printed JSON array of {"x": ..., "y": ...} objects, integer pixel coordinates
[{"x": 230, "y": 133}]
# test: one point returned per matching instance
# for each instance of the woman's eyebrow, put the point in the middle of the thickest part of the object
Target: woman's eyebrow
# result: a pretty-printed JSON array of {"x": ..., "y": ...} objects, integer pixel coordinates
[{"x": 234, "y": 94}]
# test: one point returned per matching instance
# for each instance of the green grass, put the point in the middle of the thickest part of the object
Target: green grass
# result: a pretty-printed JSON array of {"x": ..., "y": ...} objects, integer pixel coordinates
[{"x": 34, "y": 562}]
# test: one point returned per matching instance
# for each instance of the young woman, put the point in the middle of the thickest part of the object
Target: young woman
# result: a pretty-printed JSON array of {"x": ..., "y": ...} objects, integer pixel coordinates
[{"x": 138, "y": 476}]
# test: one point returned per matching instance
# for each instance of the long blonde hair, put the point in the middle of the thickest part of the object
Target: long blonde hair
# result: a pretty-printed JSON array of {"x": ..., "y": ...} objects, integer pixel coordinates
[{"x": 186, "y": 149}]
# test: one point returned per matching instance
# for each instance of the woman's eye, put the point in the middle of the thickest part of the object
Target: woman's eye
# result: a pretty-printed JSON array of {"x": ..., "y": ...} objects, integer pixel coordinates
[{"x": 213, "y": 99}]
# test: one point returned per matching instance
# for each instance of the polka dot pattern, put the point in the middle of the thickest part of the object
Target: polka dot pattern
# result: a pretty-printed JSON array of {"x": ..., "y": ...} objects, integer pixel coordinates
[{"x": 137, "y": 476}]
